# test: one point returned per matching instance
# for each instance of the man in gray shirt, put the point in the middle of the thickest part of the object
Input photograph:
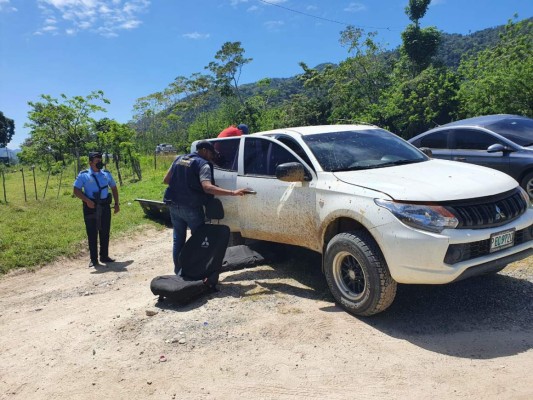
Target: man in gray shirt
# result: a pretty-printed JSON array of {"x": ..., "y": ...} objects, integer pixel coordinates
[{"x": 190, "y": 185}]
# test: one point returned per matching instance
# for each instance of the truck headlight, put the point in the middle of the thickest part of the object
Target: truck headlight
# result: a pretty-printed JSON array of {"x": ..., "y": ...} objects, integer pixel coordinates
[{"x": 420, "y": 216}]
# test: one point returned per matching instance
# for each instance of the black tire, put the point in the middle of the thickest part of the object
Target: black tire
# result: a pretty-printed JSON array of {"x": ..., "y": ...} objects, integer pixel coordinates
[
  {"x": 527, "y": 184},
  {"x": 357, "y": 274}
]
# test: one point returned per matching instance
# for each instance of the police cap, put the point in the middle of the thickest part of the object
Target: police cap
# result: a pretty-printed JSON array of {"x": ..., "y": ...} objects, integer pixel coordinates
[{"x": 95, "y": 154}]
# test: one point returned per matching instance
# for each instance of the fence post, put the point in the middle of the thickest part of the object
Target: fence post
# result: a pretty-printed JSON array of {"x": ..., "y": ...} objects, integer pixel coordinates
[
  {"x": 34, "y": 181},
  {"x": 4, "y": 185},
  {"x": 46, "y": 186},
  {"x": 24, "y": 184},
  {"x": 155, "y": 160},
  {"x": 59, "y": 187}
]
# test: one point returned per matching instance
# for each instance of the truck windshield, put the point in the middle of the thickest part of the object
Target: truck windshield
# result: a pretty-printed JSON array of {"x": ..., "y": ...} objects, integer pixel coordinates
[{"x": 361, "y": 149}]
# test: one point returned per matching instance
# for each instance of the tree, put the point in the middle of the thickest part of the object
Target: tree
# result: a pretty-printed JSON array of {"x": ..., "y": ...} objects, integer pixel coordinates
[
  {"x": 499, "y": 79},
  {"x": 419, "y": 44},
  {"x": 117, "y": 139},
  {"x": 313, "y": 107},
  {"x": 66, "y": 126},
  {"x": 227, "y": 71},
  {"x": 359, "y": 80},
  {"x": 7, "y": 129},
  {"x": 414, "y": 105}
]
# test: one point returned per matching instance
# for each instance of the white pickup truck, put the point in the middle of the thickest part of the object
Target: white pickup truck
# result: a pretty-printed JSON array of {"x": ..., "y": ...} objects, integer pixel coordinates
[{"x": 378, "y": 210}]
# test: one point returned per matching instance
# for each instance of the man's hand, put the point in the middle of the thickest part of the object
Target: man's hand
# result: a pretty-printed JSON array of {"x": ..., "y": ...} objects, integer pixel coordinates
[
  {"x": 90, "y": 203},
  {"x": 116, "y": 207}
]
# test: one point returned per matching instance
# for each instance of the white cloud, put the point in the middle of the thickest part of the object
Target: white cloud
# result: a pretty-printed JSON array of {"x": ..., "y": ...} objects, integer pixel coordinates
[
  {"x": 355, "y": 7},
  {"x": 6, "y": 7},
  {"x": 104, "y": 17},
  {"x": 274, "y": 25},
  {"x": 437, "y": 2},
  {"x": 311, "y": 8},
  {"x": 235, "y": 3},
  {"x": 196, "y": 35},
  {"x": 252, "y": 9},
  {"x": 276, "y": 1}
]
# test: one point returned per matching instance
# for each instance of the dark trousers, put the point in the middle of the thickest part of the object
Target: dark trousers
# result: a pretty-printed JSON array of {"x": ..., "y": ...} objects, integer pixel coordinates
[{"x": 95, "y": 230}]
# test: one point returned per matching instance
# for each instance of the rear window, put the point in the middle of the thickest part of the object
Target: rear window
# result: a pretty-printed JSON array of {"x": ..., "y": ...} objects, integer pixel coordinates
[{"x": 520, "y": 131}]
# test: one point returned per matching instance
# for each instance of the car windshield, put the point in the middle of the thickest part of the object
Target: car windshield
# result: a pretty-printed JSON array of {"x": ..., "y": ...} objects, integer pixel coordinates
[
  {"x": 519, "y": 131},
  {"x": 361, "y": 149}
]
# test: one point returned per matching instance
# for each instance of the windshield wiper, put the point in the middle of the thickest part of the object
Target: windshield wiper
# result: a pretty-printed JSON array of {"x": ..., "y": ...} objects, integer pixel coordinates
[
  {"x": 400, "y": 162},
  {"x": 374, "y": 166}
]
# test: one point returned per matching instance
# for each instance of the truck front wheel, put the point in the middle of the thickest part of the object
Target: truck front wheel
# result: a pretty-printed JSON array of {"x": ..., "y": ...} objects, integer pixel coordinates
[{"x": 357, "y": 274}]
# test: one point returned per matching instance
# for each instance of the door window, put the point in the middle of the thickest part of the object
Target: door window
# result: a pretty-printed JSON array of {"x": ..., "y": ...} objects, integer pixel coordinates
[
  {"x": 228, "y": 152},
  {"x": 470, "y": 139},
  {"x": 436, "y": 140},
  {"x": 261, "y": 157}
]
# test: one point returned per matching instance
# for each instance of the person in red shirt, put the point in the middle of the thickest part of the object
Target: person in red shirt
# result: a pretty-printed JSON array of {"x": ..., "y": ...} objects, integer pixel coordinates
[{"x": 233, "y": 130}]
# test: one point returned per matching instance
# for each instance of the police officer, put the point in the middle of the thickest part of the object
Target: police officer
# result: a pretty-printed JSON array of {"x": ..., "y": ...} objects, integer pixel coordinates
[
  {"x": 91, "y": 186},
  {"x": 190, "y": 184}
]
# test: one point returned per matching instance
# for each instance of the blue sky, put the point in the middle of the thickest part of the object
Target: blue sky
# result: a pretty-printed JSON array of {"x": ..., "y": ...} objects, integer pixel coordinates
[{"x": 132, "y": 48}]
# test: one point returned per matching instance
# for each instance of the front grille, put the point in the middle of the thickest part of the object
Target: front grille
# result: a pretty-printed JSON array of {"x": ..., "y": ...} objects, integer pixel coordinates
[
  {"x": 468, "y": 251},
  {"x": 488, "y": 212}
]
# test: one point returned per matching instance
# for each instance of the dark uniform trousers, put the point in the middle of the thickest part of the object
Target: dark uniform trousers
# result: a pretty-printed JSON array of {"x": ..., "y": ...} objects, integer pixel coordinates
[{"x": 91, "y": 226}]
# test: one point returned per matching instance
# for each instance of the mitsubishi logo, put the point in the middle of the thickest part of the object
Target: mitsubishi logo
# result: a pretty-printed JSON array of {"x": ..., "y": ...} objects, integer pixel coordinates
[
  {"x": 499, "y": 214},
  {"x": 205, "y": 243}
]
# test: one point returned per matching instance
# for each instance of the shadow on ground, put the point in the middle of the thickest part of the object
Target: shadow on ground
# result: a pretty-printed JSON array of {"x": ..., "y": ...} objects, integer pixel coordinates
[{"x": 482, "y": 317}]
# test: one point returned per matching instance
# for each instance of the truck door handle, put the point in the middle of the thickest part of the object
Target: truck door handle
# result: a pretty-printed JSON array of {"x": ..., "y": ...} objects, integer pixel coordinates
[{"x": 459, "y": 159}]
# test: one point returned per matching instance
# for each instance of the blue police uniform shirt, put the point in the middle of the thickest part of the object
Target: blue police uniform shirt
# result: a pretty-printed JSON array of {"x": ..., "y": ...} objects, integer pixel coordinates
[{"x": 86, "y": 182}]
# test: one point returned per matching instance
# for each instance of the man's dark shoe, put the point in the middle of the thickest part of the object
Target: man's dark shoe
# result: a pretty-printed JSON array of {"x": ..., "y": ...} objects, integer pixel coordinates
[
  {"x": 107, "y": 259},
  {"x": 94, "y": 263}
]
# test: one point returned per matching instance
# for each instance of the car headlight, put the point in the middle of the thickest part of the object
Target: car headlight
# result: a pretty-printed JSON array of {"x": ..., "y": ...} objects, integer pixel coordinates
[{"x": 421, "y": 216}]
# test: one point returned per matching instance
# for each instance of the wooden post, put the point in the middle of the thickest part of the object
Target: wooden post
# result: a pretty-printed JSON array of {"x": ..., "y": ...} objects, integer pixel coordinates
[
  {"x": 34, "y": 181},
  {"x": 59, "y": 187},
  {"x": 155, "y": 160},
  {"x": 46, "y": 186},
  {"x": 24, "y": 184},
  {"x": 4, "y": 185}
]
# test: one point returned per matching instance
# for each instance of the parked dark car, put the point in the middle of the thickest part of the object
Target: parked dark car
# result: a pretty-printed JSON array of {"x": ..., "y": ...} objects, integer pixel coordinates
[{"x": 503, "y": 142}]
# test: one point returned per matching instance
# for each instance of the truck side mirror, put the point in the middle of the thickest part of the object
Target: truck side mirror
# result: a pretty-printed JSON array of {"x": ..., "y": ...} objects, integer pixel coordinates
[{"x": 291, "y": 172}]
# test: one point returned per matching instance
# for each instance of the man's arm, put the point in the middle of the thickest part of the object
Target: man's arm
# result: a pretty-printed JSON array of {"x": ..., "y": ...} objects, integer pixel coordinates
[
  {"x": 80, "y": 195},
  {"x": 218, "y": 191},
  {"x": 168, "y": 176},
  {"x": 114, "y": 190}
]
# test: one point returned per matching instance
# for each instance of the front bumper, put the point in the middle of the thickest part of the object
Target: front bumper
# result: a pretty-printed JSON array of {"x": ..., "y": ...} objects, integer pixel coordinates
[{"x": 418, "y": 257}]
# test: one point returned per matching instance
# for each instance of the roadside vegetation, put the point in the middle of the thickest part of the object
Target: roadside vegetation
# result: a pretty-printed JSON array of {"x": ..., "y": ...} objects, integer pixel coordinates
[
  {"x": 36, "y": 231},
  {"x": 406, "y": 91}
]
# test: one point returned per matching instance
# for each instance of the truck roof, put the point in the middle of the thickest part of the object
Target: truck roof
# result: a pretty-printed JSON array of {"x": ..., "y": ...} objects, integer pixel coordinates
[{"x": 313, "y": 130}]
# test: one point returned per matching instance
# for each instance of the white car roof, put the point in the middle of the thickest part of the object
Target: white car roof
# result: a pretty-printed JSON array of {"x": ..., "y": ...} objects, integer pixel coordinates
[{"x": 313, "y": 130}]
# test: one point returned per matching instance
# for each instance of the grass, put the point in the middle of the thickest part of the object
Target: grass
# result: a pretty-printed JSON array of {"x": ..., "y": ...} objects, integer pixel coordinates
[{"x": 36, "y": 231}]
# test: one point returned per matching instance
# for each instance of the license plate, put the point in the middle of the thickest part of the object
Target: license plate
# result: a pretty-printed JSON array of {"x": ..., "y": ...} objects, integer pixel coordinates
[{"x": 501, "y": 240}]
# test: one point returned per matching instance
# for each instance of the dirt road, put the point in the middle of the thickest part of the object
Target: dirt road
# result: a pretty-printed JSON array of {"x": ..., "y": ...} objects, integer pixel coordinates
[{"x": 272, "y": 332}]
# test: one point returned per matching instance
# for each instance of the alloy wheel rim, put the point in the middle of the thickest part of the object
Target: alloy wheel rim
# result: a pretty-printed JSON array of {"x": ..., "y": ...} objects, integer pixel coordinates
[{"x": 349, "y": 277}]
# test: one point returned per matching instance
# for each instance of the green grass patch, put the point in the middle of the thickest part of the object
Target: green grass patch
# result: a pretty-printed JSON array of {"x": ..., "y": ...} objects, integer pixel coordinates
[{"x": 36, "y": 231}]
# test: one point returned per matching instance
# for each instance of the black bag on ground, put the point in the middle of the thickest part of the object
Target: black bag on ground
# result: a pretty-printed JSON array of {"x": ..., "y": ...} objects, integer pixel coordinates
[{"x": 239, "y": 257}]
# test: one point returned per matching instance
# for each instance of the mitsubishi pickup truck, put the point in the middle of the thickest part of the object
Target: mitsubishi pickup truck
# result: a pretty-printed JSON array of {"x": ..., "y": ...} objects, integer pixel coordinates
[{"x": 378, "y": 210}]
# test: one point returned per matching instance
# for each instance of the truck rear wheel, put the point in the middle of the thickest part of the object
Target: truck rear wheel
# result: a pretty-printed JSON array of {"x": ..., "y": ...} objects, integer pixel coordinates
[{"x": 357, "y": 274}]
